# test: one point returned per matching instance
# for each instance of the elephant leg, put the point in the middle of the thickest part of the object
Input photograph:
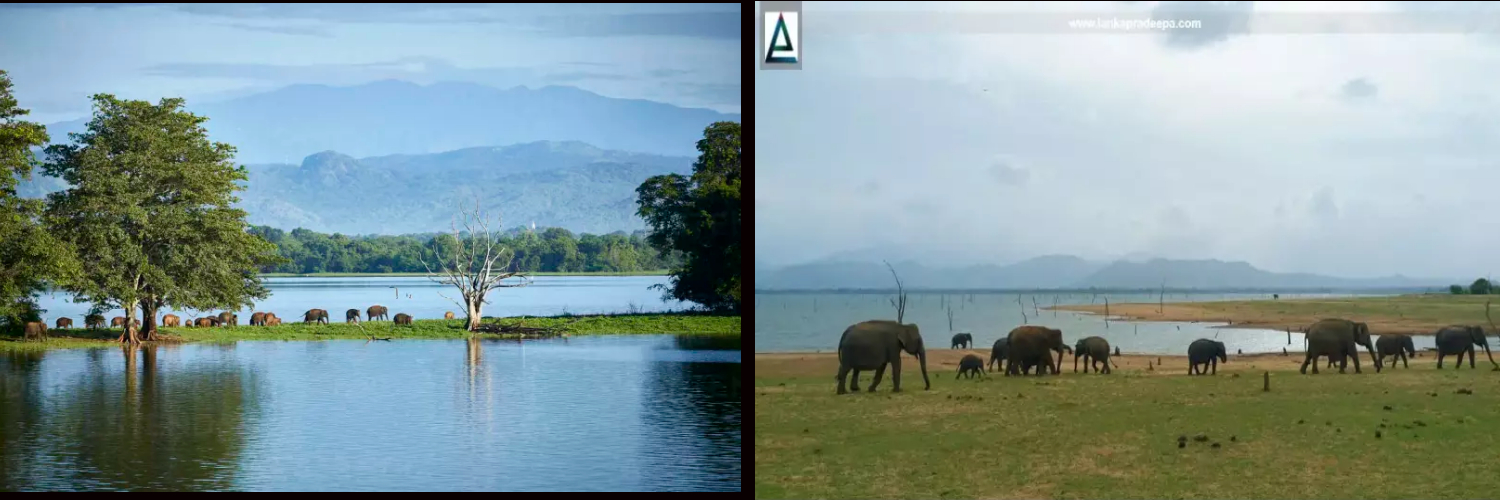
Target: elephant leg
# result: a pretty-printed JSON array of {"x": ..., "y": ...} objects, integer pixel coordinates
[
  {"x": 1192, "y": 368},
  {"x": 843, "y": 372},
  {"x": 854, "y": 381},
  {"x": 879, "y": 373},
  {"x": 1471, "y": 358},
  {"x": 1214, "y": 362},
  {"x": 1355, "y": 356},
  {"x": 896, "y": 373},
  {"x": 1308, "y": 360},
  {"x": 1403, "y": 361},
  {"x": 1440, "y": 359}
]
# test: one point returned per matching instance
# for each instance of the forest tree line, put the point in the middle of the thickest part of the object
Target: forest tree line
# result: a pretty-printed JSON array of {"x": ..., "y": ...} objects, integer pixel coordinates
[{"x": 545, "y": 250}]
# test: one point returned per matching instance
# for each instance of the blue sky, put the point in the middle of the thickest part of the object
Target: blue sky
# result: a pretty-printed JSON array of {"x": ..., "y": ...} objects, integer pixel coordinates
[
  {"x": 1342, "y": 138},
  {"x": 58, "y": 55}
]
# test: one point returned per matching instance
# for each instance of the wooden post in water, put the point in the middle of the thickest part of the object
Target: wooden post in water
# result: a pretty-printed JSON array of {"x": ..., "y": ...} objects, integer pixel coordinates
[
  {"x": 1267, "y": 387},
  {"x": 1288, "y": 335}
]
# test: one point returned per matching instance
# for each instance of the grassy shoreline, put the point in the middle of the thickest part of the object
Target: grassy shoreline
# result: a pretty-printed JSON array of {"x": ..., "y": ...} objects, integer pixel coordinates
[
  {"x": 1420, "y": 314},
  {"x": 661, "y": 272},
  {"x": 726, "y": 328}
]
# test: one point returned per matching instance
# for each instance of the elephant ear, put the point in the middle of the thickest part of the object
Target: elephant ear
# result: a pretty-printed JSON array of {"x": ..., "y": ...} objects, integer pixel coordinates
[{"x": 909, "y": 337}]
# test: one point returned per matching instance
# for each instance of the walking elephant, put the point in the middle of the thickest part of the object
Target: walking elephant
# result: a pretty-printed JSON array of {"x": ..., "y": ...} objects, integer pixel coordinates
[
  {"x": 208, "y": 322},
  {"x": 258, "y": 319},
  {"x": 448, "y": 315},
  {"x": 1208, "y": 353},
  {"x": 999, "y": 353},
  {"x": 93, "y": 321},
  {"x": 971, "y": 365},
  {"x": 1397, "y": 347},
  {"x": 403, "y": 319},
  {"x": 871, "y": 345},
  {"x": 1338, "y": 338},
  {"x": 64, "y": 323},
  {"x": 36, "y": 330},
  {"x": 315, "y": 316},
  {"x": 1030, "y": 346},
  {"x": 963, "y": 340},
  {"x": 117, "y": 321},
  {"x": 229, "y": 319},
  {"x": 1459, "y": 340},
  {"x": 376, "y": 312},
  {"x": 1093, "y": 350},
  {"x": 351, "y": 316},
  {"x": 171, "y": 320},
  {"x": 274, "y": 321}
]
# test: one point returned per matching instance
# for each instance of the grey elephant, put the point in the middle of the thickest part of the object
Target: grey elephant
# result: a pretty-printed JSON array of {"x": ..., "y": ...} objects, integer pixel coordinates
[
  {"x": 871, "y": 345},
  {"x": 999, "y": 352},
  {"x": 1208, "y": 353},
  {"x": 1030, "y": 346},
  {"x": 963, "y": 340},
  {"x": 1338, "y": 338},
  {"x": 1459, "y": 340},
  {"x": 970, "y": 365},
  {"x": 1094, "y": 350},
  {"x": 1397, "y": 347}
]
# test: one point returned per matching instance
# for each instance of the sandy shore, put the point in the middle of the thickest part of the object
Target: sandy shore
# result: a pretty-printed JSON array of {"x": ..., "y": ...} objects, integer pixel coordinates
[{"x": 1263, "y": 315}]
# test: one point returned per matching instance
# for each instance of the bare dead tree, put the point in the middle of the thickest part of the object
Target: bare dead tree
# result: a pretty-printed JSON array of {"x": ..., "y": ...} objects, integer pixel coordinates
[
  {"x": 476, "y": 267},
  {"x": 1054, "y": 306},
  {"x": 950, "y": 319},
  {"x": 1162, "y": 299},
  {"x": 1034, "y": 310},
  {"x": 1106, "y": 312},
  {"x": 900, "y": 301},
  {"x": 1024, "y": 320}
]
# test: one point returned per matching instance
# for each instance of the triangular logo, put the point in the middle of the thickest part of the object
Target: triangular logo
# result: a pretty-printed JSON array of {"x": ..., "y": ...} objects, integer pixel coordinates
[{"x": 781, "y": 41}]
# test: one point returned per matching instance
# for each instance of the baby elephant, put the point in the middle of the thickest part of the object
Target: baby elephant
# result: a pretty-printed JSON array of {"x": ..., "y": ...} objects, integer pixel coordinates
[
  {"x": 970, "y": 365},
  {"x": 403, "y": 319}
]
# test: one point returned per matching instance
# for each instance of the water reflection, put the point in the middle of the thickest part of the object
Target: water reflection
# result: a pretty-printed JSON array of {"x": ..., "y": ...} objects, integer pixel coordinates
[{"x": 590, "y": 414}]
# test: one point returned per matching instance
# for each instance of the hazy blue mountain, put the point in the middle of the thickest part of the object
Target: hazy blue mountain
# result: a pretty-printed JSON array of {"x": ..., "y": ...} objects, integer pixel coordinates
[
  {"x": 1061, "y": 271},
  {"x": 395, "y": 117},
  {"x": 564, "y": 184}
]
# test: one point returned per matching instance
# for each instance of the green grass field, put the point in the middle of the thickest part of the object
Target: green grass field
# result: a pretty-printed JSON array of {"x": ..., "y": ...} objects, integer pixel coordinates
[
  {"x": 405, "y": 275},
  {"x": 1116, "y": 436},
  {"x": 723, "y": 327}
]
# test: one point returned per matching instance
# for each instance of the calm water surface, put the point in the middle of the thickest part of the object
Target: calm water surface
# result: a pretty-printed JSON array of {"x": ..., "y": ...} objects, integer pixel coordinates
[
  {"x": 423, "y": 299},
  {"x": 803, "y": 322},
  {"x": 591, "y": 414}
]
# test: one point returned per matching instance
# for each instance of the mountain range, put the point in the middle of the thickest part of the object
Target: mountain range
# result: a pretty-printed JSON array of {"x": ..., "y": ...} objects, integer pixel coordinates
[
  {"x": 393, "y": 157},
  {"x": 1065, "y": 272}
]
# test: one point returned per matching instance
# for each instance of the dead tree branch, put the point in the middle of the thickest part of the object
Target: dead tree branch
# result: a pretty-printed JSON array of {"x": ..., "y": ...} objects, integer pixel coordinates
[{"x": 900, "y": 294}]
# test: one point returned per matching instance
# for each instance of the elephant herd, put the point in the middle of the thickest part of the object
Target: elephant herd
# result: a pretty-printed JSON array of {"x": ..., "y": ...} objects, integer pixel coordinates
[
  {"x": 872, "y": 345},
  {"x": 228, "y": 319}
]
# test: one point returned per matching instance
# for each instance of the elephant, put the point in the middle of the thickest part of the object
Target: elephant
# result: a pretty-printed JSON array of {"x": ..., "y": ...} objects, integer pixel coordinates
[
  {"x": 171, "y": 320},
  {"x": 229, "y": 319},
  {"x": 963, "y": 340},
  {"x": 117, "y": 321},
  {"x": 270, "y": 315},
  {"x": 1208, "y": 353},
  {"x": 1457, "y": 339},
  {"x": 999, "y": 353},
  {"x": 189, "y": 322},
  {"x": 971, "y": 364},
  {"x": 871, "y": 345},
  {"x": 1029, "y": 346},
  {"x": 351, "y": 316},
  {"x": 376, "y": 312},
  {"x": 1396, "y": 346},
  {"x": 258, "y": 319},
  {"x": 93, "y": 321},
  {"x": 403, "y": 319},
  {"x": 274, "y": 321},
  {"x": 36, "y": 330},
  {"x": 448, "y": 315},
  {"x": 1338, "y": 338},
  {"x": 64, "y": 323},
  {"x": 1093, "y": 350},
  {"x": 208, "y": 322},
  {"x": 315, "y": 316}
]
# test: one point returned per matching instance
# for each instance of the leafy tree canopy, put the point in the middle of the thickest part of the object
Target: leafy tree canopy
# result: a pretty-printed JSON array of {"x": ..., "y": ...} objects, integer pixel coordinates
[{"x": 699, "y": 217}]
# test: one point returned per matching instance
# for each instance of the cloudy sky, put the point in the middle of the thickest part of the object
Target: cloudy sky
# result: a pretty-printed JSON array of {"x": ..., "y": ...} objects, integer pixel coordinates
[
  {"x": 1334, "y": 138},
  {"x": 58, "y": 55}
]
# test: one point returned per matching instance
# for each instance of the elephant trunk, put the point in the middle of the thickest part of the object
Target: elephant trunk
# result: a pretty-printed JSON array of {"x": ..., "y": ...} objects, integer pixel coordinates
[
  {"x": 922, "y": 360},
  {"x": 1373, "y": 358},
  {"x": 1487, "y": 354}
]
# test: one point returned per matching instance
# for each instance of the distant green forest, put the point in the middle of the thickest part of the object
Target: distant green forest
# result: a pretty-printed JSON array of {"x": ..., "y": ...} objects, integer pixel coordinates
[{"x": 553, "y": 250}]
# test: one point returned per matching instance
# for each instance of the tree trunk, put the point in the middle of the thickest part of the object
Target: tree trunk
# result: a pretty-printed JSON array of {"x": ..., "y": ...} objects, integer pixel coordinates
[
  {"x": 130, "y": 335},
  {"x": 473, "y": 305},
  {"x": 149, "y": 307}
]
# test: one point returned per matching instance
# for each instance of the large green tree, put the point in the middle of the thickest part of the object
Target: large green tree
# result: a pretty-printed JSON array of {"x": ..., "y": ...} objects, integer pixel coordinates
[
  {"x": 29, "y": 256},
  {"x": 149, "y": 210},
  {"x": 699, "y": 216}
]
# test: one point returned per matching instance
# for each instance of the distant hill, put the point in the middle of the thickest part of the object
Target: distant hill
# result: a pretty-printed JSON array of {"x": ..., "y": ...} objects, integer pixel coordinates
[
  {"x": 1066, "y": 272},
  {"x": 395, "y": 117}
]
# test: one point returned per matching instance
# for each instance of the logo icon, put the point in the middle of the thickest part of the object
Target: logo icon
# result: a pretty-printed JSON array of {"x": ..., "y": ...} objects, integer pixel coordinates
[{"x": 781, "y": 43}]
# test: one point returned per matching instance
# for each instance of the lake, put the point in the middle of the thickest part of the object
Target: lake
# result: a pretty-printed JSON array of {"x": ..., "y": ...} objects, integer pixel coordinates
[
  {"x": 422, "y": 298},
  {"x": 615, "y": 413},
  {"x": 810, "y": 322}
]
